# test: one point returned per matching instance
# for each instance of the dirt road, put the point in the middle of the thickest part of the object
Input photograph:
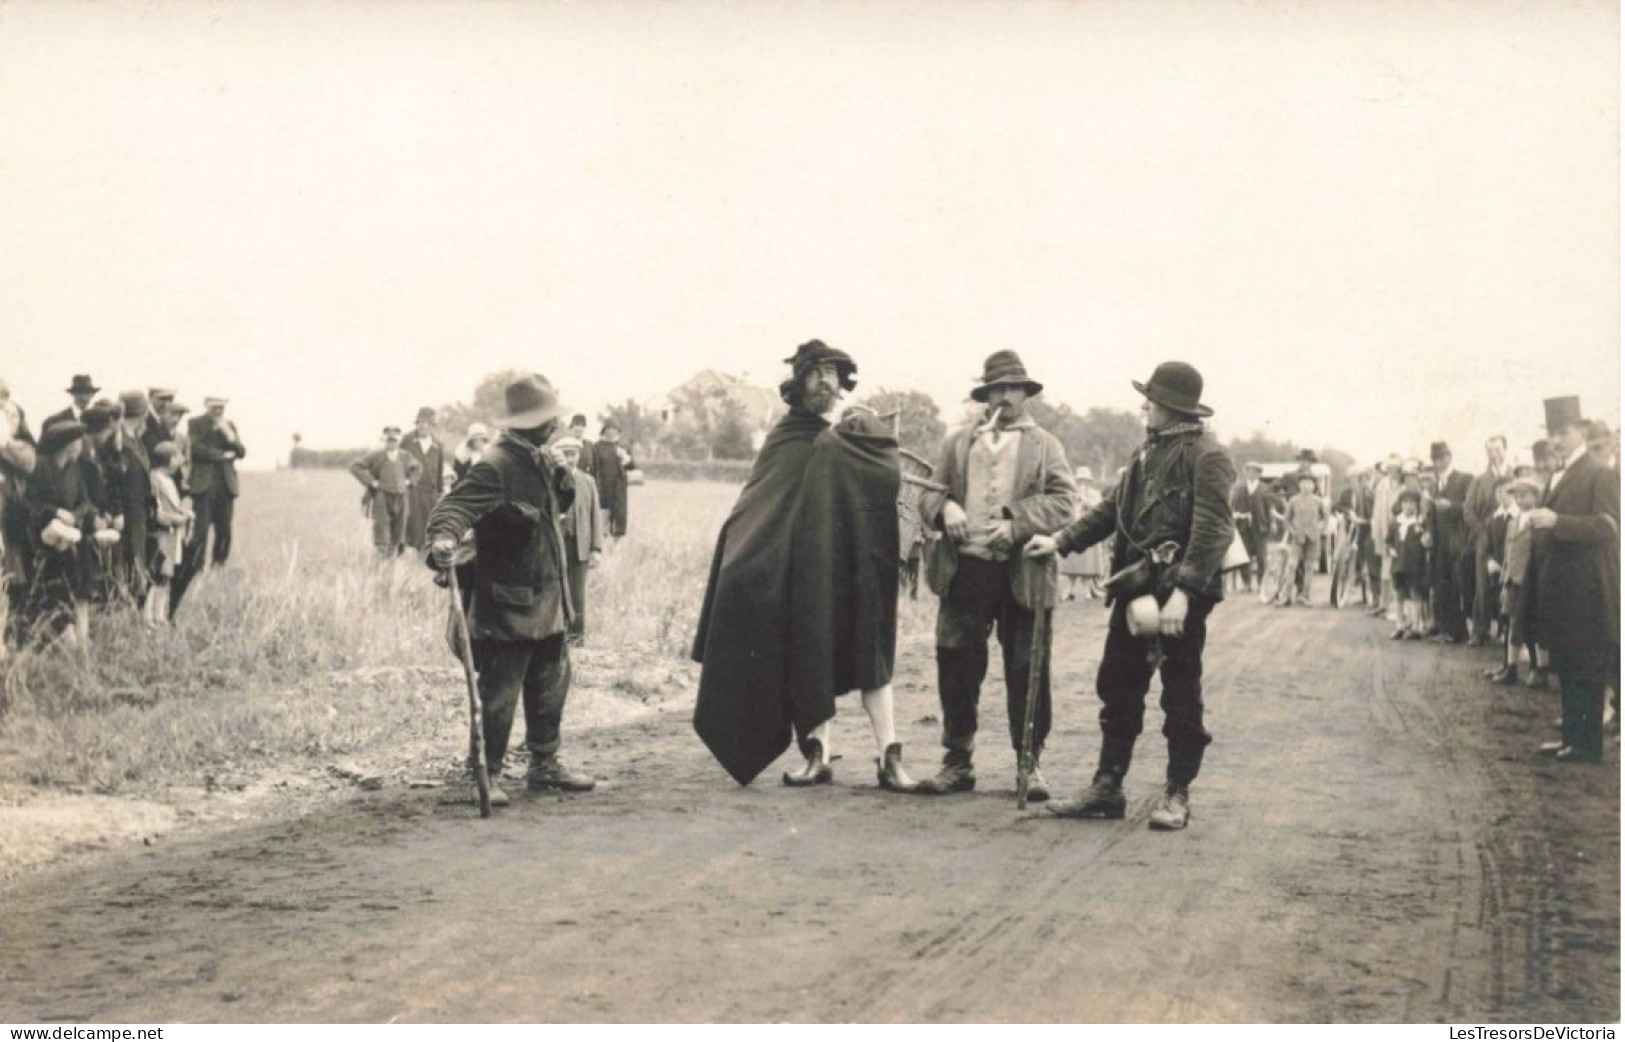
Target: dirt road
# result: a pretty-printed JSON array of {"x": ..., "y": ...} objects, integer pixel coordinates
[{"x": 1371, "y": 842}]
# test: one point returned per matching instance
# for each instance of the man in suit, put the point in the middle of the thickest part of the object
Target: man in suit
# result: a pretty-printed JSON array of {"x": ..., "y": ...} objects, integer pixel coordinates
[
  {"x": 431, "y": 480},
  {"x": 1250, "y": 506},
  {"x": 583, "y": 535},
  {"x": 1479, "y": 510},
  {"x": 215, "y": 449},
  {"x": 156, "y": 430},
  {"x": 1452, "y": 549},
  {"x": 83, "y": 391},
  {"x": 610, "y": 462},
  {"x": 1171, "y": 515},
  {"x": 133, "y": 550},
  {"x": 1008, "y": 481},
  {"x": 1574, "y": 581}
]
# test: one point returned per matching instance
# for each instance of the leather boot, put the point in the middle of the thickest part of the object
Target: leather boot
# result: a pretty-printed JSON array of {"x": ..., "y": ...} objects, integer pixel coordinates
[
  {"x": 957, "y": 775},
  {"x": 549, "y": 774},
  {"x": 1102, "y": 799},
  {"x": 816, "y": 771},
  {"x": 1173, "y": 810},
  {"x": 889, "y": 770}
]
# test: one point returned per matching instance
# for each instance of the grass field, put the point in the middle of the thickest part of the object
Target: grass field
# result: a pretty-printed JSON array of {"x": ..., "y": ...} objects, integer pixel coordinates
[{"x": 305, "y": 645}]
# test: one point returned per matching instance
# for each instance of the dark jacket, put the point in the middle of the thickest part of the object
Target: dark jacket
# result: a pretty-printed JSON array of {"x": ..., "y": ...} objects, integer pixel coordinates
[
  {"x": 603, "y": 461},
  {"x": 215, "y": 450},
  {"x": 512, "y": 499},
  {"x": 1044, "y": 498},
  {"x": 1574, "y": 568},
  {"x": 1177, "y": 489}
]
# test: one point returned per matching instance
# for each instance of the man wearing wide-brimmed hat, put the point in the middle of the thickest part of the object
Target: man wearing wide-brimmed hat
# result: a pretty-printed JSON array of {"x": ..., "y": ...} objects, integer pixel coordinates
[
  {"x": 1573, "y": 582},
  {"x": 1171, "y": 511},
  {"x": 801, "y": 602},
  {"x": 388, "y": 474},
  {"x": 519, "y": 606},
  {"x": 1008, "y": 481},
  {"x": 426, "y": 488}
]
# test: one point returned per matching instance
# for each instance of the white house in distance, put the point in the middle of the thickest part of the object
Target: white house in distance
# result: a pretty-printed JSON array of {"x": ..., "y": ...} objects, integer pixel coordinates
[{"x": 710, "y": 390}]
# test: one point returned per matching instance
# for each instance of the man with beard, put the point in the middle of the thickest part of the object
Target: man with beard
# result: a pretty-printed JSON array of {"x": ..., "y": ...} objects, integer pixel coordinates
[
  {"x": 801, "y": 605},
  {"x": 1171, "y": 515},
  {"x": 1573, "y": 582},
  {"x": 1008, "y": 481},
  {"x": 519, "y": 608}
]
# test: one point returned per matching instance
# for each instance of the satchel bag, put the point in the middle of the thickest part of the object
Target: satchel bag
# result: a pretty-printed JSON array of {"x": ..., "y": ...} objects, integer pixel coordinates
[
  {"x": 1127, "y": 584},
  {"x": 1237, "y": 556}
]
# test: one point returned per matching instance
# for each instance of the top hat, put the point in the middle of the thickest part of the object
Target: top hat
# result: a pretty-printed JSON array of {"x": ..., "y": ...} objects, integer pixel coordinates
[
  {"x": 1562, "y": 412},
  {"x": 1438, "y": 449},
  {"x": 1176, "y": 386},
  {"x": 426, "y": 413},
  {"x": 58, "y": 435},
  {"x": 816, "y": 352},
  {"x": 82, "y": 385},
  {"x": 529, "y": 402},
  {"x": 1004, "y": 368}
]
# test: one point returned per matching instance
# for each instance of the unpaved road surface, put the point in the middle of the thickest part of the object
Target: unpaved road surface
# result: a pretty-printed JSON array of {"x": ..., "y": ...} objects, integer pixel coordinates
[{"x": 1372, "y": 841}]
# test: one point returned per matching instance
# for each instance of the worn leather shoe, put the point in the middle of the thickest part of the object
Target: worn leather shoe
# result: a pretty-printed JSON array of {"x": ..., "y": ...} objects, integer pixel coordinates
[
  {"x": 889, "y": 771},
  {"x": 815, "y": 772},
  {"x": 551, "y": 775},
  {"x": 1506, "y": 676},
  {"x": 957, "y": 775},
  {"x": 1102, "y": 799},
  {"x": 1173, "y": 810}
]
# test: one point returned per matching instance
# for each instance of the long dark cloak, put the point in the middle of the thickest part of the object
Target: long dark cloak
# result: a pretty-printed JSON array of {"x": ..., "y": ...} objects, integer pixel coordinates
[
  {"x": 844, "y": 572},
  {"x": 779, "y": 641}
]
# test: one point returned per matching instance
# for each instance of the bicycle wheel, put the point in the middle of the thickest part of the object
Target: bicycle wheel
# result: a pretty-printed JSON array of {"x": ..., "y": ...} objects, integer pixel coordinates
[{"x": 1343, "y": 575}]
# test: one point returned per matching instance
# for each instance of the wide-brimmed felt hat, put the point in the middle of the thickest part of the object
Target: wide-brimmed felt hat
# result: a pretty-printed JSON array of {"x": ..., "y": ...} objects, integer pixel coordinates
[
  {"x": 816, "y": 352},
  {"x": 59, "y": 434},
  {"x": 1562, "y": 412},
  {"x": 82, "y": 384},
  {"x": 1176, "y": 386},
  {"x": 1004, "y": 369},
  {"x": 529, "y": 402}
]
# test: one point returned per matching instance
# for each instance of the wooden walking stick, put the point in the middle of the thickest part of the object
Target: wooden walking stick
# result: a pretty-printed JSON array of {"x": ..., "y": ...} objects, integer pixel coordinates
[
  {"x": 476, "y": 714},
  {"x": 1037, "y": 663}
]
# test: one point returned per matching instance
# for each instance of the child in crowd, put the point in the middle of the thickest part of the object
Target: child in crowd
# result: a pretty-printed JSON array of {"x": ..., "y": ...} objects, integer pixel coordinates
[
  {"x": 1525, "y": 494},
  {"x": 1409, "y": 565},
  {"x": 170, "y": 518},
  {"x": 1306, "y": 517}
]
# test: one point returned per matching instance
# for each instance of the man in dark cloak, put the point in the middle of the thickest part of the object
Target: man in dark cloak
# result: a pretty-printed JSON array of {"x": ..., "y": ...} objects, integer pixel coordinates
[{"x": 801, "y": 605}]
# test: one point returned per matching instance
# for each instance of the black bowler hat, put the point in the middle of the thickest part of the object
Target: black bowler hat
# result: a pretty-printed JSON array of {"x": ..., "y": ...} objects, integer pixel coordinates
[
  {"x": 82, "y": 385},
  {"x": 529, "y": 403},
  {"x": 1004, "y": 368},
  {"x": 1439, "y": 448},
  {"x": 1562, "y": 412},
  {"x": 1176, "y": 386}
]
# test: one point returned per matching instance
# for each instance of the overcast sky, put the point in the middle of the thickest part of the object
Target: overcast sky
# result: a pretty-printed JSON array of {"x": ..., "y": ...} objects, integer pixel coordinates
[{"x": 1369, "y": 224}]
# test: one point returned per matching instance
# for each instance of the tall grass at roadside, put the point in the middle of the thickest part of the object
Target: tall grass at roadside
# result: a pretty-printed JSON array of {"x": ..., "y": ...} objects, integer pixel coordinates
[{"x": 306, "y": 645}]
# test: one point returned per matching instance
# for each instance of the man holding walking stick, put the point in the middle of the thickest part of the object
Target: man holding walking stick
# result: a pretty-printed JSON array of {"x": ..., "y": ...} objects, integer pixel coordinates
[
  {"x": 1171, "y": 516},
  {"x": 519, "y": 605}
]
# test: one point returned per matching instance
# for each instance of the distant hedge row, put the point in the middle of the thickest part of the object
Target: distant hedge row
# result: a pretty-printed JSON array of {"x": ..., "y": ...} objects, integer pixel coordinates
[{"x": 725, "y": 470}]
